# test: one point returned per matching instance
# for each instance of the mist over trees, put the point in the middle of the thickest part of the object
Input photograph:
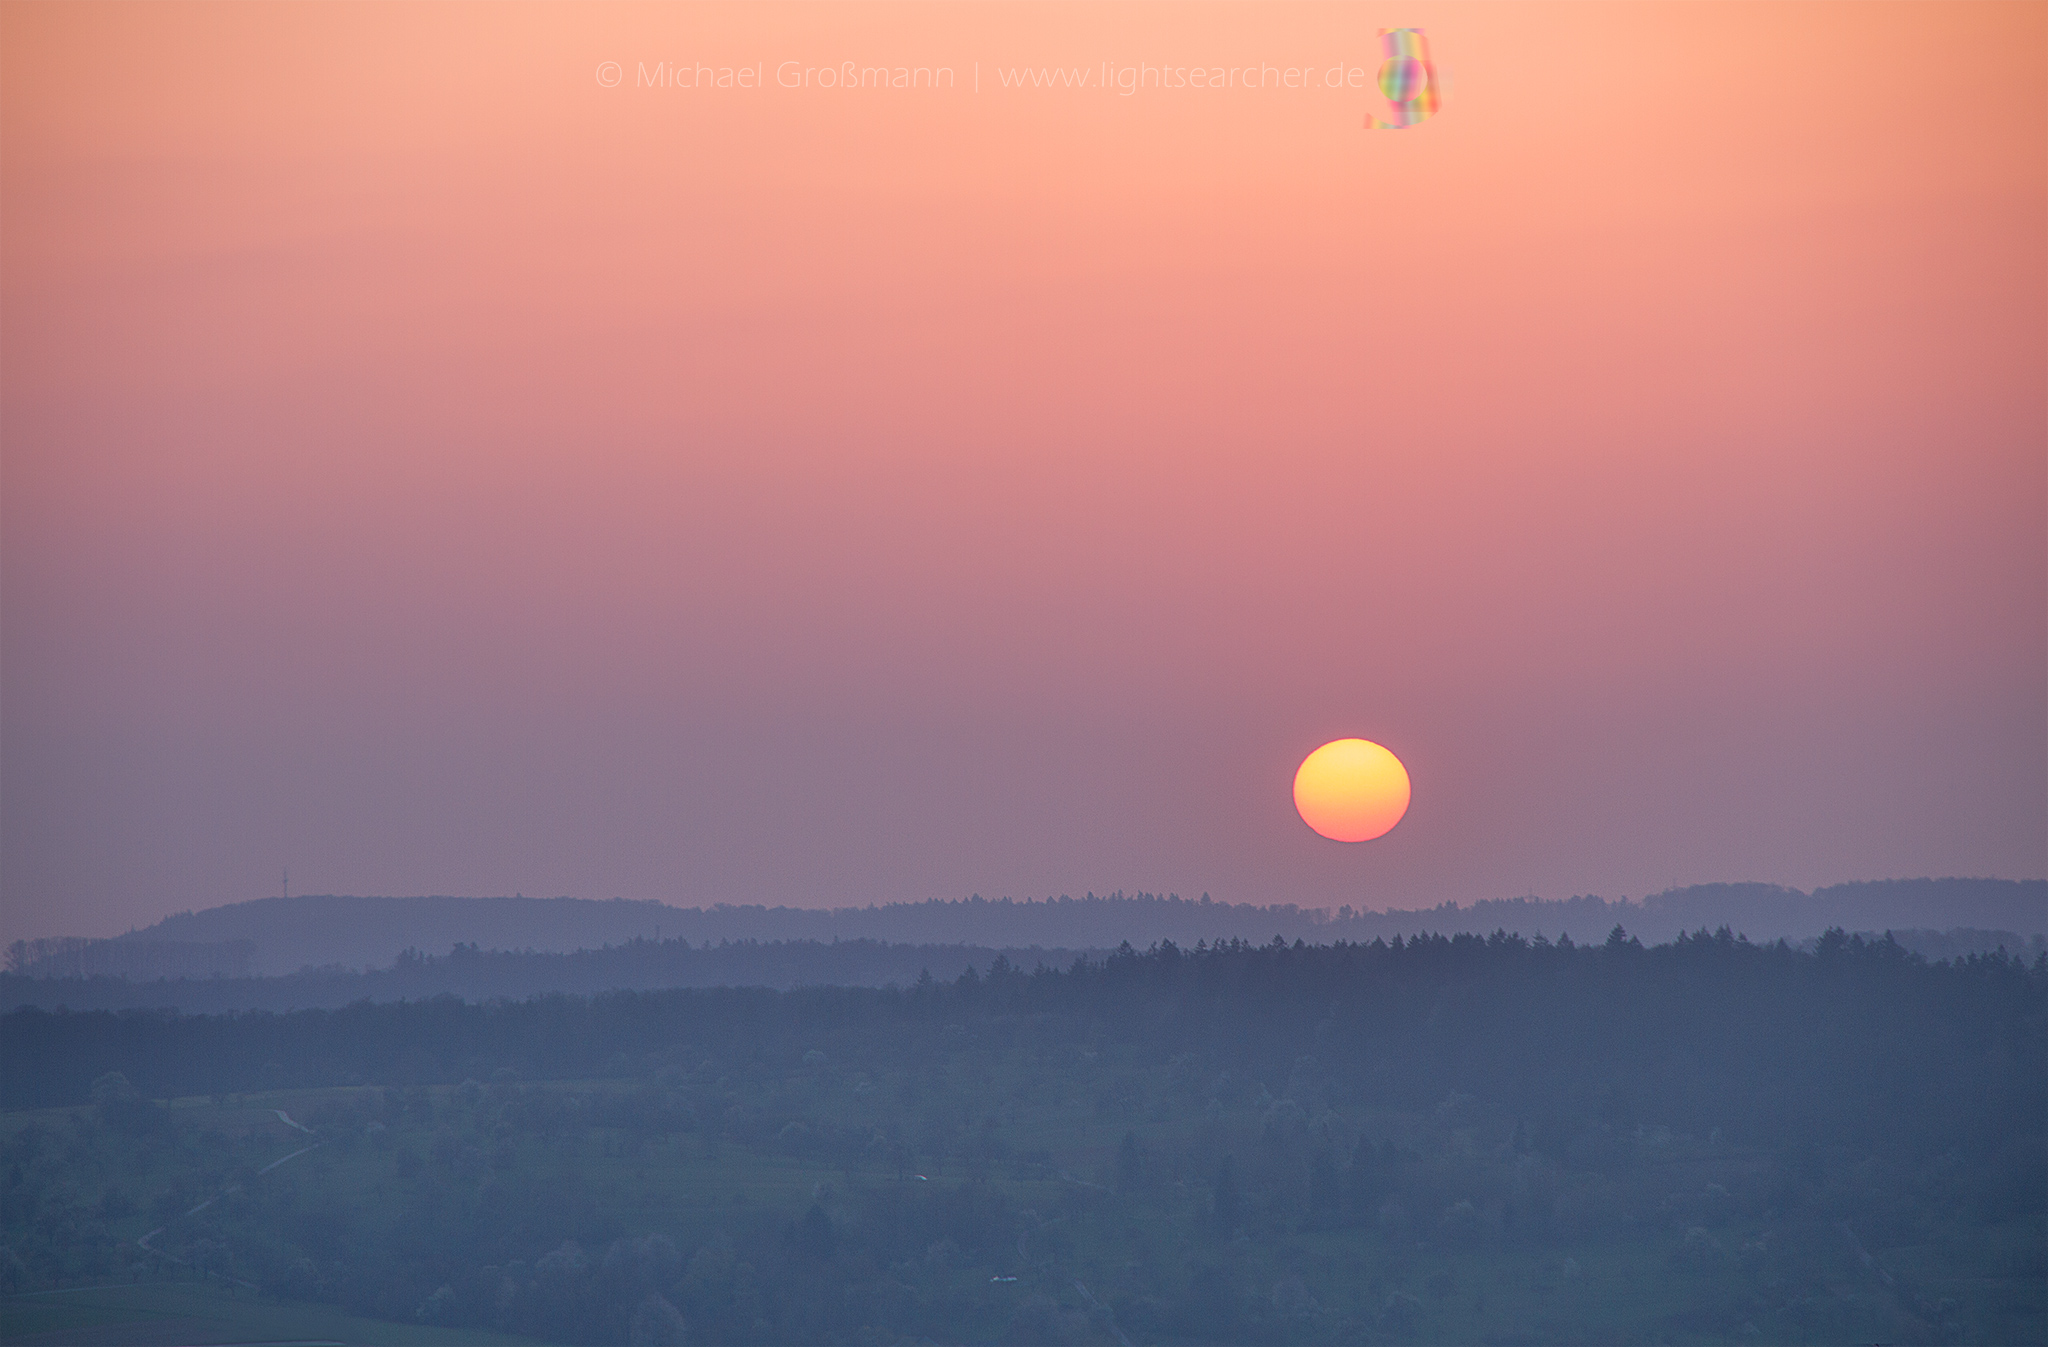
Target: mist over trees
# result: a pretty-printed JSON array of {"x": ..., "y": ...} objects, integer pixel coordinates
[
  {"x": 77, "y": 957},
  {"x": 1449, "y": 1138},
  {"x": 1682, "y": 1034},
  {"x": 647, "y": 965},
  {"x": 141, "y": 970},
  {"x": 353, "y": 932},
  {"x": 476, "y": 974}
]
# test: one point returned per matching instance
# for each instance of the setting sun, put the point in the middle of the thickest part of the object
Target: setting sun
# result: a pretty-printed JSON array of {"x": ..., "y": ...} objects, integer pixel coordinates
[{"x": 1351, "y": 790}]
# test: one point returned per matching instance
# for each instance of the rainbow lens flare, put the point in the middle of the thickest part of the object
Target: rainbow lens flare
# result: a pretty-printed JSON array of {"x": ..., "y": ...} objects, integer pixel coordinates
[{"x": 1407, "y": 79}]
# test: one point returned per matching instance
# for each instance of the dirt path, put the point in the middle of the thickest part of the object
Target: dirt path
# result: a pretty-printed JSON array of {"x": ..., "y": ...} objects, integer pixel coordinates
[{"x": 143, "y": 1243}]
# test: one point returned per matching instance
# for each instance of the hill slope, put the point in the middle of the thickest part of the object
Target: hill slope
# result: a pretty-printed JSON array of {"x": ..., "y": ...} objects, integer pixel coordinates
[{"x": 370, "y": 932}]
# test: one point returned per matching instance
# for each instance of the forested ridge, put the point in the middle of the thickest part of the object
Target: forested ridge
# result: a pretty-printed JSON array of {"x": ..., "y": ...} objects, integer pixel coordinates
[
  {"x": 1709, "y": 1031},
  {"x": 479, "y": 974},
  {"x": 287, "y": 934},
  {"x": 1484, "y": 1139}
]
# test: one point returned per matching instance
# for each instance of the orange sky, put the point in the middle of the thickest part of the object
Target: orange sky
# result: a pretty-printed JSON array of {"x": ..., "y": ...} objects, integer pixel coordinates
[{"x": 432, "y": 470}]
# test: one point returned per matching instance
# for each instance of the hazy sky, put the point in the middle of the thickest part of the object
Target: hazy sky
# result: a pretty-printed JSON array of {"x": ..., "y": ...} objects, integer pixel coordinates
[{"x": 435, "y": 470}]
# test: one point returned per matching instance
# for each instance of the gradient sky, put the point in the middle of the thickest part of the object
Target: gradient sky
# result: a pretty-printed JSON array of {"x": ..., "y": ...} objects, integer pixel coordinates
[{"x": 433, "y": 471}]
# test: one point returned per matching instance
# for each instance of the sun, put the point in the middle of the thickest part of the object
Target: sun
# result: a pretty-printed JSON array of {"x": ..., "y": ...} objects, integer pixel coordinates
[{"x": 1351, "y": 790}]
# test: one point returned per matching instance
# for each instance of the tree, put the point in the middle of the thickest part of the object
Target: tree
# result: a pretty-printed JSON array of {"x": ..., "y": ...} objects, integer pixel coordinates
[
  {"x": 656, "y": 1324},
  {"x": 1225, "y": 1197},
  {"x": 815, "y": 1236},
  {"x": 1325, "y": 1192},
  {"x": 1130, "y": 1164},
  {"x": 112, "y": 1088},
  {"x": 1370, "y": 1179}
]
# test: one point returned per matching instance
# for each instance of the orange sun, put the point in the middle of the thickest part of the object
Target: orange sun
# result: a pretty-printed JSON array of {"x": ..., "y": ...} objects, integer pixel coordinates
[{"x": 1351, "y": 790}]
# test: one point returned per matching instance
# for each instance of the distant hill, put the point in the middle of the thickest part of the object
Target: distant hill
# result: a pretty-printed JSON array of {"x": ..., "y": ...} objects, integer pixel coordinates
[
  {"x": 474, "y": 974},
  {"x": 480, "y": 975},
  {"x": 1958, "y": 942},
  {"x": 70, "y": 956},
  {"x": 1767, "y": 912},
  {"x": 371, "y": 932}
]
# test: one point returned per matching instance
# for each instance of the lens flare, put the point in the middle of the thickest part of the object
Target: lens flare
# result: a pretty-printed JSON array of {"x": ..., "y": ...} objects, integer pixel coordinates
[{"x": 1408, "y": 80}]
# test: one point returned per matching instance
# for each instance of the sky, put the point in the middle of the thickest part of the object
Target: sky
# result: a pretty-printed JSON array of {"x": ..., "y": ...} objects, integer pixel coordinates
[{"x": 441, "y": 451}]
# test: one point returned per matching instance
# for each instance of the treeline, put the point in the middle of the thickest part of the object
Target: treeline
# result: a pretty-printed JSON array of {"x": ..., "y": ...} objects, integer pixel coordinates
[
  {"x": 368, "y": 932},
  {"x": 1959, "y": 942},
  {"x": 1855, "y": 1042},
  {"x": 68, "y": 956},
  {"x": 477, "y": 974},
  {"x": 1441, "y": 1139}
]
